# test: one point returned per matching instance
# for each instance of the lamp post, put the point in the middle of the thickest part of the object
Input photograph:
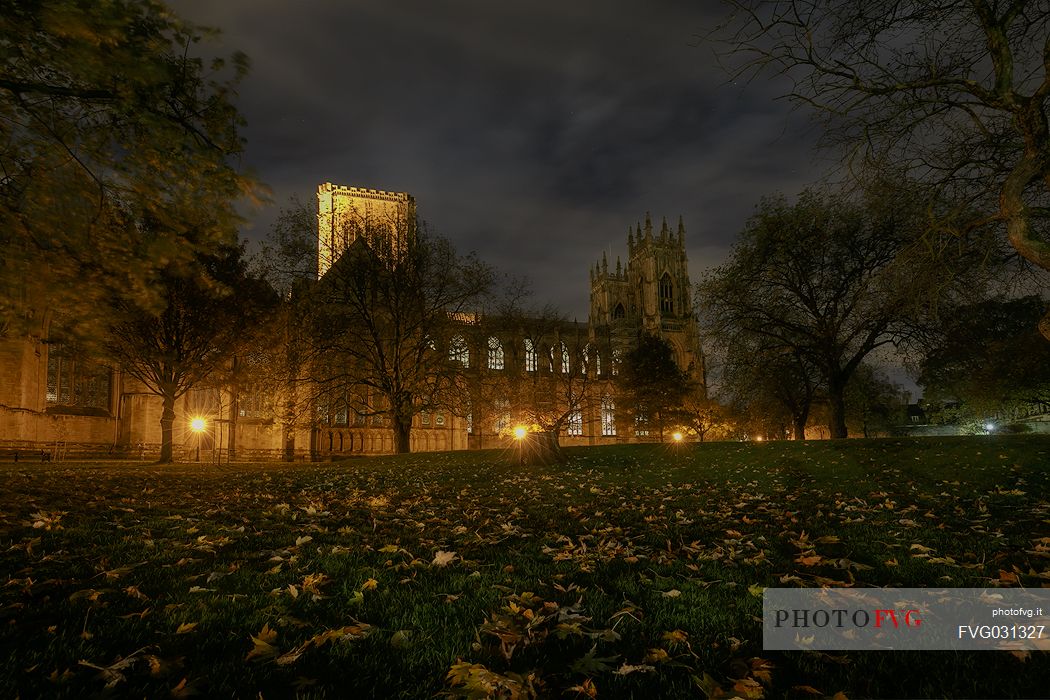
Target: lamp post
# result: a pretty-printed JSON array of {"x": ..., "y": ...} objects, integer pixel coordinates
[
  {"x": 520, "y": 432},
  {"x": 198, "y": 425}
]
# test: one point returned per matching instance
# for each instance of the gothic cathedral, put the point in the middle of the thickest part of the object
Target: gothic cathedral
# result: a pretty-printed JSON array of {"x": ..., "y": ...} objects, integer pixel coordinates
[{"x": 650, "y": 295}]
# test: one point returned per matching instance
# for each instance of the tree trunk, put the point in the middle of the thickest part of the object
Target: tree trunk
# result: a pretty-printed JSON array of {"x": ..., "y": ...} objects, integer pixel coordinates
[
  {"x": 540, "y": 448},
  {"x": 289, "y": 443},
  {"x": 402, "y": 434},
  {"x": 167, "y": 420},
  {"x": 799, "y": 427},
  {"x": 837, "y": 410}
]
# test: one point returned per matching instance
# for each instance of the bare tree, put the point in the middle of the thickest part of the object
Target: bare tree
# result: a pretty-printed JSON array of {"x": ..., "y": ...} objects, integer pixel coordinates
[
  {"x": 547, "y": 382},
  {"x": 209, "y": 309},
  {"x": 952, "y": 94},
  {"x": 384, "y": 316}
]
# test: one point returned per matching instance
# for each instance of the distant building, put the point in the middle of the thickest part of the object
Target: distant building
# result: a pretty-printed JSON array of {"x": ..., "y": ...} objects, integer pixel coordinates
[{"x": 56, "y": 403}]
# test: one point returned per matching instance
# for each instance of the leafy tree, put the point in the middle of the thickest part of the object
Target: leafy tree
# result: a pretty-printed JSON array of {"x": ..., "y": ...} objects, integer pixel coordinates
[
  {"x": 761, "y": 375},
  {"x": 952, "y": 94},
  {"x": 384, "y": 317},
  {"x": 874, "y": 404},
  {"x": 824, "y": 282},
  {"x": 650, "y": 384},
  {"x": 209, "y": 308},
  {"x": 990, "y": 358},
  {"x": 107, "y": 119}
]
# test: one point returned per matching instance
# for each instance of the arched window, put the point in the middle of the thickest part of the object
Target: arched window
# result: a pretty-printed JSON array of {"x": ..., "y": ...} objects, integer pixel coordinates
[
  {"x": 458, "y": 351},
  {"x": 340, "y": 414},
  {"x": 574, "y": 427},
  {"x": 564, "y": 359},
  {"x": 666, "y": 294},
  {"x": 585, "y": 359},
  {"x": 619, "y": 312},
  {"x": 598, "y": 362},
  {"x": 617, "y": 357},
  {"x": 530, "y": 356},
  {"x": 501, "y": 409},
  {"x": 608, "y": 416},
  {"x": 550, "y": 359},
  {"x": 495, "y": 353}
]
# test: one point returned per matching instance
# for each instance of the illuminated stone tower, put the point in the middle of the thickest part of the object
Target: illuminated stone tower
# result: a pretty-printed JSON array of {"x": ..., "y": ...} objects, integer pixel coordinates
[
  {"x": 345, "y": 213},
  {"x": 651, "y": 294}
]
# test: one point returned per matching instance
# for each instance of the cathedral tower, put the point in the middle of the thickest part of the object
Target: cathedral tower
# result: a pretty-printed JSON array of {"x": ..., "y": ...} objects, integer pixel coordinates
[
  {"x": 652, "y": 294},
  {"x": 344, "y": 213}
]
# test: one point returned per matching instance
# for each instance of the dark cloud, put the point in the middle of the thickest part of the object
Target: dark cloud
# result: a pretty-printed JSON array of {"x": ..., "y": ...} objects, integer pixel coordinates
[{"x": 534, "y": 133}]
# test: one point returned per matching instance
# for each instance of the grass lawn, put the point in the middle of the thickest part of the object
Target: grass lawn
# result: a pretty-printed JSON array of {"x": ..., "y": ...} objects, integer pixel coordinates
[{"x": 632, "y": 571}]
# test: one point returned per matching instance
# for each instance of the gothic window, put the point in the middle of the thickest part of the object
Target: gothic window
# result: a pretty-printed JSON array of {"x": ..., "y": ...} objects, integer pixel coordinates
[
  {"x": 564, "y": 359},
  {"x": 72, "y": 381},
  {"x": 501, "y": 408},
  {"x": 251, "y": 402},
  {"x": 341, "y": 413},
  {"x": 608, "y": 416},
  {"x": 439, "y": 419},
  {"x": 424, "y": 418},
  {"x": 458, "y": 351},
  {"x": 470, "y": 423},
  {"x": 575, "y": 424},
  {"x": 617, "y": 357},
  {"x": 495, "y": 353},
  {"x": 619, "y": 312},
  {"x": 585, "y": 359},
  {"x": 666, "y": 294},
  {"x": 550, "y": 359},
  {"x": 598, "y": 362},
  {"x": 530, "y": 356}
]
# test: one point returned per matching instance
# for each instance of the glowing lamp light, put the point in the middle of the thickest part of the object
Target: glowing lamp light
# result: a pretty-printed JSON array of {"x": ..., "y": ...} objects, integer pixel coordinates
[
  {"x": 989, "y": 427},
  {"x": 677, "y": 437},
  {"x": 520, "y": 431},
  {"x": 758, "y": 438},
  {"x": 197, "y": 425}
]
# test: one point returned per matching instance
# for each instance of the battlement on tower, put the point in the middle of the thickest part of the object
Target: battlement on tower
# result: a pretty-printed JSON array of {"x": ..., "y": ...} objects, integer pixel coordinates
[{"x": 345, "y": 213}]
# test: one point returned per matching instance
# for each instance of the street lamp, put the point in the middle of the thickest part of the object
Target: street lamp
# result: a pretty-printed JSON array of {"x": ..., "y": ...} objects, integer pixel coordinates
[
  {"x": 520, "y": 431},
  {"x": 198, "y": 425}
]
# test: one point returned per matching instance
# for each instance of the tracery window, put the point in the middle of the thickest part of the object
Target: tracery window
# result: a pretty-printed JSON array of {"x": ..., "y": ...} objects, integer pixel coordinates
[
  {"x": 495, "y": 353},
  {"x": 530, "y": 356},
  {"x": 608, "y": 416},
  {"x": 73, "y": 381},
  {"x": 458, "y": 351},
  {"x": 574, "y": 427}
]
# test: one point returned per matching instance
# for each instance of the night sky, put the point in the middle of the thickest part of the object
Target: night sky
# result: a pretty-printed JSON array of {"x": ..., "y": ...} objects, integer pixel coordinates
[{"x": 532, "y": 133}]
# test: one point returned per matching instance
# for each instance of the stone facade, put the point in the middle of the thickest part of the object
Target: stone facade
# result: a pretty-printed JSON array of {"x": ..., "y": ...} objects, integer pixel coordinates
[
  {"x": 55, "y": 405},
  {"x": 344, "y": 213}
]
